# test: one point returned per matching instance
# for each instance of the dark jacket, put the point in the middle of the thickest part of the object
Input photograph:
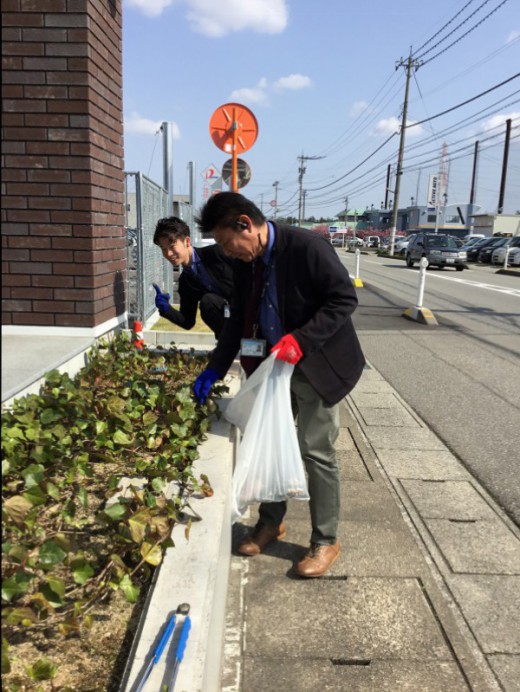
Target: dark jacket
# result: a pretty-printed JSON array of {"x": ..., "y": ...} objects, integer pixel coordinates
[
  {"x": 316, "y": 300},
  {"x": 191, "y": 289}
]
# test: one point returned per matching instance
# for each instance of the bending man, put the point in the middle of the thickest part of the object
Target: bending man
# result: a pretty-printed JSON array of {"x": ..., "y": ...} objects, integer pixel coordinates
[
  {"x": 206, "y": 278},
  {"x": 293, "y": 293}
]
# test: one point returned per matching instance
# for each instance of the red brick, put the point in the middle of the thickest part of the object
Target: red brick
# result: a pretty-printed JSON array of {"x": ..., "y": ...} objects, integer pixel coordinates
[
  {"x": 32, "y": 293},
  {"x": 9, "y": 228},
  {"x": 29, "y": 242},
  {"x": 51, "y": 229},
  {"x": 27, "y": 189},
  {"x": 22, "y": 49},
  {"x": 30, "y": 268},
  {"x": 33, "y": 320},
  {"x": 76, "y": 321},
  {"x": 53, "y": 281},
  {"x": 20, "y": 19},
  {"x": 52, "y": 306},
  {"x": 51, "y": 256},
  {"x": 16, "y": 305},
  {"x": 17, "y": 280},
  {"x": 22, "y": 215},
  {"x": 15, "y": 255},
  {"x": 50, "y": 176},
  {"x": 11, "y": 202},
  {"x": 72, "y": 243},
  {"x": 44, "y": 6},
  {"x": 51, "y": 203}
]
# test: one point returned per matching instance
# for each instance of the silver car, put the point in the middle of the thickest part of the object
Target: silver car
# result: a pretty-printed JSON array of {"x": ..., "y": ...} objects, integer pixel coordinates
[{"x": 498, "y": 256}]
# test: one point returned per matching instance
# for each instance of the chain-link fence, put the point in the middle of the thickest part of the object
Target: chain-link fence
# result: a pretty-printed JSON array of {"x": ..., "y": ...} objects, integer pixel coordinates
[{"x": 146, "y": 203}]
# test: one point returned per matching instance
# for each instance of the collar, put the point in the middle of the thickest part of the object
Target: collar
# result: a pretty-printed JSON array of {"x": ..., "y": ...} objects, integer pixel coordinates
[{"x": 270, "y": 243}]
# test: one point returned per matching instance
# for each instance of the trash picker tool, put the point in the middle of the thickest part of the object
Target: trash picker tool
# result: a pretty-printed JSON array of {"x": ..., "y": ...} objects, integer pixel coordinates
[
  {"x": 181, "y": 644},
  {"x": 158, "y": 651}
]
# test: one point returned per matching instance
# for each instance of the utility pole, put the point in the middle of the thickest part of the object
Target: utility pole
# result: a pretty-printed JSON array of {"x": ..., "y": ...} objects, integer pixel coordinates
[
  {"x": 303, "y": 204},
  {"x": 275, "y": 185},
  {"x": 301, "y": 171},
  {"x": 504, "y": 168},
  {"x": 410, "y": 64}
]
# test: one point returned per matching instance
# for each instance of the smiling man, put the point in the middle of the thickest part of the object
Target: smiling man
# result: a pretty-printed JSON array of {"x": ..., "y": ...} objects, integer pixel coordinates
[
  {"x": 292, "y": 295},
  {"x": 206, "y": 280}
]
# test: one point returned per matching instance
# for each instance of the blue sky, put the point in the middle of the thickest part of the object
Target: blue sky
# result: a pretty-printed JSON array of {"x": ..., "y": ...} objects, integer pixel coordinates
[{"x": 320, "y": 77}]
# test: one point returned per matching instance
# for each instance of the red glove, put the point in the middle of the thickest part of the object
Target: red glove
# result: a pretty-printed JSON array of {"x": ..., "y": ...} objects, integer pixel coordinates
[{"x": 288, "y": 349}]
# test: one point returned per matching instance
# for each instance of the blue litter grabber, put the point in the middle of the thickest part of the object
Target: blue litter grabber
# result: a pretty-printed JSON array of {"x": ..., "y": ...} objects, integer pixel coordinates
[
  {"x": 158, "y": 651},
  {"x": 181, "y": 644}
]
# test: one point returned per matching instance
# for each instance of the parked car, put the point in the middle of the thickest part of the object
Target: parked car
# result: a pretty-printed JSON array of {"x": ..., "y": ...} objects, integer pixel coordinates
[
  {"x": 440, "y": 250},
  {"x": 498, "y": 256},
  {"x": 354, "y": 242},
  {"x": 371, "y": 241},
  {"x": 476, "y": 248},
  {"x": 484, "y": 256},
  {"x": 514, "y": 258},
  {"x": 472, "y": 237},
  {"x": 471, "y": 242},
  {"x": 401, "y": 245}
]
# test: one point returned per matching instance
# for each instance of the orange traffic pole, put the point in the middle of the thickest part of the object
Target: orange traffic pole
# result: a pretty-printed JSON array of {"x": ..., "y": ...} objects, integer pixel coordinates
[{"x": 234, "y": 176}]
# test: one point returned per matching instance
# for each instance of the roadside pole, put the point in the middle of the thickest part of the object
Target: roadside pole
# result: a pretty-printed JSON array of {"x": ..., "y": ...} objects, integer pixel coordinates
[
  {"x": 357, "y": 281},
  {"x": 418, "y": 312}
]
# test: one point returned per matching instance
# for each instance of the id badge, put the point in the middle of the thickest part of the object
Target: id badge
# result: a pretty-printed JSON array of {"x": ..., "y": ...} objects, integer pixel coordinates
[
  {"x": 227, "y": 311},
  {"x": 253, "y": 347}
]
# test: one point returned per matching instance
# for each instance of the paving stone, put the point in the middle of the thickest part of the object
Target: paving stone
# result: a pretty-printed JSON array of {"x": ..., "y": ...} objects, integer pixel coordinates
[
  {"x": 386, "y": 417},
  {"x": 376, "y": 400},
  {"x": 412, "y": 438},
  {"x": 439, "y": 464},
  {"x": 479, "y": 547},
  {"x": 507, "y": 669},
  {"x": 371, "y": 618},
  {"x": 345, "y": 440},
  {"x": 351, "y": 466},
  {"x": 267, "y": 674},
  {"x": 491, "y": 606},
  {"x": 447, "y": 500}
]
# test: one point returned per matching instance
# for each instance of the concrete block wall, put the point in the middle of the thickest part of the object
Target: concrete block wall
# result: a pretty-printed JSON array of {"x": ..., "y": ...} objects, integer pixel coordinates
[{"x": 63, "y": 238}]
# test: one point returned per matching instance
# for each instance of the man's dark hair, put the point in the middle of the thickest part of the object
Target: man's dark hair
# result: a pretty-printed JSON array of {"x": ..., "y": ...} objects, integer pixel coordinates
[
  {"x": 170, "y": 226},
  {"x": 224, "y": 208}
]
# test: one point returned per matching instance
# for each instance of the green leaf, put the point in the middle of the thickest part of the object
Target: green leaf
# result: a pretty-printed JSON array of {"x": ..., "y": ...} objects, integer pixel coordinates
[
  {"x": 51, "y": 554},
  {"x": 130, "y": 591},
  {"x": 42, "y": 670},
  {"x": 36, "y": 496},
  {"x": 82, "y": 571},
  {"x": 53, "y": 491},
  {"x": 122, "y": 438},
  {"x": 6, "y": 664},
  {"x": 83, "y": 498},
  {"x": 33, "y": 475},
  {"x": 115, "y": 512},
  {"x": 49, "y": 415},
  {"x": 15, "y": 585},
  {"x": 54, "y": 591}
]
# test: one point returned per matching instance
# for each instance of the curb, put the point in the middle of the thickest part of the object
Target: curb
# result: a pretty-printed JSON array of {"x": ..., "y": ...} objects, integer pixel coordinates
[{"x": 183, "y": 577}]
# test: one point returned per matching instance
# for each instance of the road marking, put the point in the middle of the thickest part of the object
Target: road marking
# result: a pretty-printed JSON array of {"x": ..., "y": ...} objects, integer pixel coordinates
[
  {"x": 468, "y": 282},
  {"x": 480, "y": 284}
]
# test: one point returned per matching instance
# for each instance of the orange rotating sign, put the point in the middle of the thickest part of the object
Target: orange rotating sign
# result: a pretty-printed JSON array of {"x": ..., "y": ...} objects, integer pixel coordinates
[{"x": 233, "y": 129}]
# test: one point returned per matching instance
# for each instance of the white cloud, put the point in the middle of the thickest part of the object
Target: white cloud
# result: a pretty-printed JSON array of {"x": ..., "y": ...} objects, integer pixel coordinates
[
  {"x": 513, "y": 36},
  {"x": 498, "y": 120},
  {"x": 136, "y": 124},
  {"x": 293, "y": 82},
  {"x": 150, "y": 8},
  {"x": 257, "y": 94},
  {"x": 387, "y": 126},
  {"x": 216, "y": 18},
  {"x": 358, "y": 107}
]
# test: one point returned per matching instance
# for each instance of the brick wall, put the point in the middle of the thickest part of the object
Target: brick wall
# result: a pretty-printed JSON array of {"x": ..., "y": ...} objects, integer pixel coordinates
[{"x": 64, "y": 249}]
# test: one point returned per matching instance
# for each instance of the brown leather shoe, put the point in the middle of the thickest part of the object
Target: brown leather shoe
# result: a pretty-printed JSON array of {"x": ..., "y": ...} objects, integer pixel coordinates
[
  {"x": 318, "y": 560},
  {"x": 261, "y": 536}
]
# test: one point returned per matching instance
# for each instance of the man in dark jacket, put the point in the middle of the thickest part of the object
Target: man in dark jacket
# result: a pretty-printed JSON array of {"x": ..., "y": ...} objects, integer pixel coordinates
[
  {"x": 292, "y": 292},
  {"x": 206, "y": 279}
]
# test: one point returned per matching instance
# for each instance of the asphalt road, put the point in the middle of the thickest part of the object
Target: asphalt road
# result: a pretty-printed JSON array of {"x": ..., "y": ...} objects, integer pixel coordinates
[{"x": 463, "y": 376}]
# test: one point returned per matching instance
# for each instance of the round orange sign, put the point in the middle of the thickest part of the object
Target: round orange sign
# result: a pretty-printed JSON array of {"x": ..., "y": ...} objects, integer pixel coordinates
[{"x": 233, "y": 128}]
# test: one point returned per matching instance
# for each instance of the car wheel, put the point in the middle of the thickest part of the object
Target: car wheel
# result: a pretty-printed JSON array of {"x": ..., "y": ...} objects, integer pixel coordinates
[
  {"x": 409, "y": 261},
  {"x": 459, "y": 269}
]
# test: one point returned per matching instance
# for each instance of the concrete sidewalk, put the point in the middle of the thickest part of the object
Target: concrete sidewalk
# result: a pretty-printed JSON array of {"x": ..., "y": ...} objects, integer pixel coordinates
[{"x": 425, "y": 596}]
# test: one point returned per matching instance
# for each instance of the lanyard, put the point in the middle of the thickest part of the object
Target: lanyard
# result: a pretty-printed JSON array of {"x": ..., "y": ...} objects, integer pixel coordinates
[{"x": 265, "y": 286}]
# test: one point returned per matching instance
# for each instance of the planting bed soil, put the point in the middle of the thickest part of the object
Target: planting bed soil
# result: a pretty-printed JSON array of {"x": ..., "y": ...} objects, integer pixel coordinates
[{"x": 78, "y": 552}]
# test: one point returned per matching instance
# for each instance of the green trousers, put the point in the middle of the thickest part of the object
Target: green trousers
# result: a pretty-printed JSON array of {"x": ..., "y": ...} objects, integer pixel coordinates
[{"x": 318, "y": 428}]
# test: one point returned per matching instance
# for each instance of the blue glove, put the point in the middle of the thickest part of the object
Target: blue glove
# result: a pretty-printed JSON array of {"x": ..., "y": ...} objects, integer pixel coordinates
[
  {"x": 204, "y": 383},
  {"x": 162, "y": 300}
]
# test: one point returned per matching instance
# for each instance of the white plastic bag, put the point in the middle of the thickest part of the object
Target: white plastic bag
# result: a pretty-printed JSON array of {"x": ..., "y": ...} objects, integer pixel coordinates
[{"x": 269, "y": 467}]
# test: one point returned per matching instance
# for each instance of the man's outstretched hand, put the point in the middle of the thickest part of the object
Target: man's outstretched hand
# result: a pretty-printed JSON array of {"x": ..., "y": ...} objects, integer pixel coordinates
[
  {"x": 162, "y": 300},
  {"x": 288, "y": 349},
  {"x": 204, "y": 383}
]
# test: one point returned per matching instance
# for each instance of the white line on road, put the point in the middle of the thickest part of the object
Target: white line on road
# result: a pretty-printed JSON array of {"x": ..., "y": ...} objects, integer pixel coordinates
[{"x": 468, "y": 282}]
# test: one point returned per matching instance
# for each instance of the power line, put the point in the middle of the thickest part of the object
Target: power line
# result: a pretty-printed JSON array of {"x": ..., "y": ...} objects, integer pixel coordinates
[{"x": 444, "y": 27}]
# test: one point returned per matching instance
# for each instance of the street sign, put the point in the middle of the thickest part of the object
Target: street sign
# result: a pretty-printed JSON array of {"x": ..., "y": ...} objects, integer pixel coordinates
[
  {"x": 273, "y": 203},
  {"x": 210, "y": 173},
  {"x": 233, "y": 128},
  {"x": 243, "y": 172}
]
